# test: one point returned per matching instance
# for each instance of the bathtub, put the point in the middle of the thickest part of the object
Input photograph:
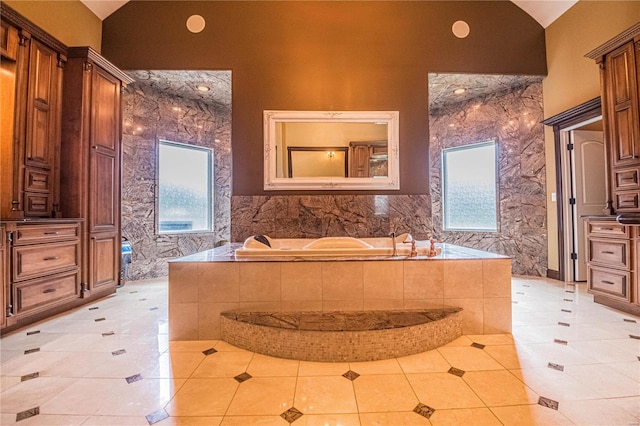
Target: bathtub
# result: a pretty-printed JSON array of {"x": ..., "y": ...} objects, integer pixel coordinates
[{"x": 264, "y": 246}]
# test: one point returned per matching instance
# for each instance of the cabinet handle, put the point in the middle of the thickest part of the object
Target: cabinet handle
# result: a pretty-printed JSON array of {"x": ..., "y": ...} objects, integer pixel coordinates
[
  {"x": 51, "y": 233},
  {"x": 95, "y": 147},
  {"x": 606, "y": 252},
  {"x": 49, "y": 290},
  {"x": 51, "y": 258},
  {"x": 607, "y": 282},
  {"x": 606, "y": 229}
]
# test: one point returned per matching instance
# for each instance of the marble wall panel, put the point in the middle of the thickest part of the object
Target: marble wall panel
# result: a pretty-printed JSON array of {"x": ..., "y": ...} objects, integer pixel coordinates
[
  {"x": 513, "y": 120},
  {"x": 150, "y": 114}
]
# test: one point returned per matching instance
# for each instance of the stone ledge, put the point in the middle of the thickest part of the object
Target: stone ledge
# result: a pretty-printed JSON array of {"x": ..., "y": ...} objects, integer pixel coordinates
[{"x": 341, "y": 336}]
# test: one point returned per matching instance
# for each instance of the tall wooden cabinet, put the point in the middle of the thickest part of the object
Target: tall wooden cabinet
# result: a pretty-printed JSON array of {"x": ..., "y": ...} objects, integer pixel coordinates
[
  {"x": 90, "y": 162},
  {"x": 613, "y": 243}
]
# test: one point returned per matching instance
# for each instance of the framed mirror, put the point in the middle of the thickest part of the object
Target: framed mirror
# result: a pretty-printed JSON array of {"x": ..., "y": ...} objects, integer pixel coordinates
[{"x": 331, "y": 150}]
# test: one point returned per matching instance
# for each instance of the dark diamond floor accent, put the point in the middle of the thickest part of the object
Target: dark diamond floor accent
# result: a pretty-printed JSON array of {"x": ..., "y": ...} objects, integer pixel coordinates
[
  {"x": 157, "y": 416},
  {"x": 555, "y": 366},
  {"x": 119, "y": 352},
  {"x": 134, "y": 378},
  {"x": 209, "y": 351},
  {"x": 568, "y": 300},
  {"x": 569, "y": 291},
  {"x": 27, "y": 413},
  {"x": 30, "y": 351},
  {"x": 526, "y": 285},
  {"x": 566, "y": 310},
  {"x": 624, "y": 319},
  {"x": 243, "y": 377},
  {"x": 477, "y": 345},
  {"x": 153, "y": 309},
  {"x": 351, "y": 375},
  {"x": 549, "y": 403},
  {"x": 519, "y": 292},
  {"x": 99, "y": 319},
  {"x": 30, "y": 333},
  {"x": 291, "y": 415},
  {"x": 142, "y": 300},
  {"x": 515, "y": 302},
  {"x": 132, "y": 292},
  {"x": 424, "y": 410},
  {"x": 29, "y": 376},
  {"x": 93, "y": 308},
  {"x": 456, "y": 372},
  {"x": 564, "y": 324},
  {"x": 108, "y": 333},
  {"x": 559, "y": 341},
  {"x": 633, "y": 336}
]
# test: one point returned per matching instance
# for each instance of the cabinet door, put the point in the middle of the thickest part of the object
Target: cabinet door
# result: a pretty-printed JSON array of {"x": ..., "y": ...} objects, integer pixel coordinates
[
  {"x": 104, "y": 178},
  {"x": 621, "y": 94},
  {"x": 103, "y": 260},
  {"x": 3, "y": 278}
]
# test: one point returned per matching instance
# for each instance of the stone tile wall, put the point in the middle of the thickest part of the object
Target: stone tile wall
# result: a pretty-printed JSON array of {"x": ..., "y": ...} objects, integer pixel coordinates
[
  {"x": 150, "y": 114},
  {"x": 513, "y": 120}
]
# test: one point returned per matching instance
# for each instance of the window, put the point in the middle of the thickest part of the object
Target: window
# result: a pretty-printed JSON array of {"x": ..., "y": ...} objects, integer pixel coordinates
[
  {"x": 184, "y": 179},
  {"x": 469, "y": 188}
]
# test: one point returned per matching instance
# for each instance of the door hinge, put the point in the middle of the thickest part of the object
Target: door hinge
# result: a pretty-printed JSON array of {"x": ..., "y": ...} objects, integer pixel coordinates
[
  {"x": 574, "y": 256},
  {"x": 569, "y": 147},
  {"x": 572, "y": 201}
]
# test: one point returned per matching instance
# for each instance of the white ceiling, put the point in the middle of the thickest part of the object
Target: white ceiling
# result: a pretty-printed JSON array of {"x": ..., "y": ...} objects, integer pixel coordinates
[{"x": 543, "y": 11}]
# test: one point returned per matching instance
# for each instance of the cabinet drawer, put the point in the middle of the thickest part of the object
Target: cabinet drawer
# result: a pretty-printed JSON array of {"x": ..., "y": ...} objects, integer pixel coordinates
[
  {"x": 36, "y": 180},
  {"x": 626, "y": 201},
  {"x": 41, "y": 293},
  {"x": 609, "y": 282},
  {"x": 611, "y": 253},
  {"x": 36, "y": 204},
  {"x": 44, "y": 259},
  {"x": 607, "y": 229},
  {"x": 626, "y": 178},
  {"x": 32, "y": 234}
]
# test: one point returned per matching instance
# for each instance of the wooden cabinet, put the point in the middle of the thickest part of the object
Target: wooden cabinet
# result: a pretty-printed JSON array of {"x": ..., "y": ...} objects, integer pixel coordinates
[
  {"x": 4, "y": 279},
  {"x": 90, "y": 162},
  {"x": 360, "y": 155},
  {"x": 619, "y": 61},
  {"x": 613, "y": 257},
  {"x": 31, "y": 83},
  {"x": 43, "y": 275}
]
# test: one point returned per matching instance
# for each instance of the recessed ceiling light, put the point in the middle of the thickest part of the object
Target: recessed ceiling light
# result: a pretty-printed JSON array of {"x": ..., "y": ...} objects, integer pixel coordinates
[
  {"x": 460, "y": 29},
  {"x": 459, "y": 91},
  {"x": 195, "y": 23},
  {"x": 203, "y": 88}
]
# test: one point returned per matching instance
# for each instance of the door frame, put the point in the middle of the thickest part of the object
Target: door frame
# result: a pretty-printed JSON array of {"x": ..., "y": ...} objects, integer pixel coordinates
[{"x": 561, "y": 124}]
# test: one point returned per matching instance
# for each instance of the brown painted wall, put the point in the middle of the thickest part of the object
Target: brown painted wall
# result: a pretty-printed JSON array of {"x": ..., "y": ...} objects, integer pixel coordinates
[{"x": 327, "y": 56}]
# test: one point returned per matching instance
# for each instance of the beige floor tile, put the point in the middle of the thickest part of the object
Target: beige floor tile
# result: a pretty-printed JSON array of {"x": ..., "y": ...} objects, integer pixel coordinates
[
  {"x": 30, "y": 363},
  {"x": 203, "y": 397},
  {"x": 116, "y": 420},
  {"x": 385, "y": 366},
  {"x": 124, "y": 365},
  {"x": 7, "y": 419},
  {"x": 499, "y": 388},
  {"x": 405, "y": 418},
  {"x": 382, "y": 393},
  {"x": 223, "y": 364},
  {"x": 513, "y": 356},
  {"x": 32, "y": 393},
  {"x": 464, "y": 416},
  {"x": 84, "y": 396},
  {"x": 631, "y": 405},
  {"x": 425, "y": 362},
  {"x": 519, "y": 415},
  {"x": 604, "y": 380},
  {"x": 492, "y": 339},
  {"x": 267, "y": 366},
  {"x": 141, "y": 398},
  {"x": 629, "y": 369},
  {"x": 223, "y": 346},
  {"x": 323, "y": 395},
  {"x": 469, "y": 358},
  {"x": 328, "y": 420},
  {"x": 263, "y": 396},
  {"x": 460, "y": 341},
  {"x": 8, "y": 381},
  {"x": 190, "y": 421},
  {"x": 77, "y": 364},
  {"x": 174, "y": 365},
  {"x": 443, "y": 390},
  {"x": 598, "y": 412},
  {"x": 254, "y": 420},
  {"x": 53, "y": 420},
  {"x": 309, "y": 368},
  {"x": 192, "y": 345},
  {"x": 554, "y": 384}
]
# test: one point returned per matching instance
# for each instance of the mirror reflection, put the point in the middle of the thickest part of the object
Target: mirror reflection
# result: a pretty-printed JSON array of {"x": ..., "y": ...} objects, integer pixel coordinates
[{"x": 334, "y": 150}]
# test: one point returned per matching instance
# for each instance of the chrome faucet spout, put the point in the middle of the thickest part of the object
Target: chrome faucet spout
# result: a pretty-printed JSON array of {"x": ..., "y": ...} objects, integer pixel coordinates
[{"x": 393, "y": 244}]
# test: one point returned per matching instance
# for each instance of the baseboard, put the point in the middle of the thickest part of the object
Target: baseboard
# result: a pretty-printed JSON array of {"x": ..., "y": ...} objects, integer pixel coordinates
[{"x": 554, "y": 275}]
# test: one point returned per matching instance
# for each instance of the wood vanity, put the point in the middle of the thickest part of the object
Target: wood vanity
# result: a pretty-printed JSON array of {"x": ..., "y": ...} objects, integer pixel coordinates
[
  {"x": 60, "y": 174},
  {"x": 613, "y": 240}
]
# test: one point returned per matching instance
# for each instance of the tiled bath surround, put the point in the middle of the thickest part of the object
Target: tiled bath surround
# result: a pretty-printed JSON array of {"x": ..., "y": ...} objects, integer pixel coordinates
[
  {"x": 203, "y": 285},
  {"x": 151, "y": 113},
  {"x": 512, "y": 117}
]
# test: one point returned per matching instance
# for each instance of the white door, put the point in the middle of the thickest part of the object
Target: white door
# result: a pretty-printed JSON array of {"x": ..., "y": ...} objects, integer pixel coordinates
[{"x": 589, "y": 190}]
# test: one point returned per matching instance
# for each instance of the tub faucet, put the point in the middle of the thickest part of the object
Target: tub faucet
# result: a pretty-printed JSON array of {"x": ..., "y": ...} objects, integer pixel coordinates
[
  {"x": 403, "y": 238},
  {"x": 393, "y": 244}
]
